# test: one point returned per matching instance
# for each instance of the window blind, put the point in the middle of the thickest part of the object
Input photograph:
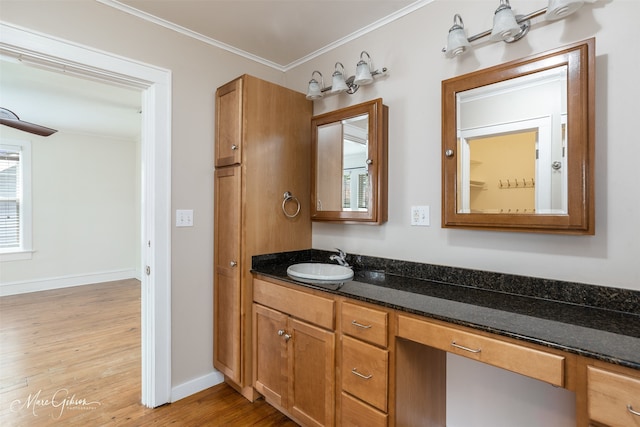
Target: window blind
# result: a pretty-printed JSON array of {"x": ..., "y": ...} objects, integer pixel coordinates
[
  {"x": 10, "y": 197},
  {"x": 363, "y": 191},
  {"x": 346, "y": 191}
]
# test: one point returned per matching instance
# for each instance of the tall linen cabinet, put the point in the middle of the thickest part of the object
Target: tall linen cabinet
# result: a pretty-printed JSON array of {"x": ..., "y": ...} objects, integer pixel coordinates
[{"x": 262, "y": 151}]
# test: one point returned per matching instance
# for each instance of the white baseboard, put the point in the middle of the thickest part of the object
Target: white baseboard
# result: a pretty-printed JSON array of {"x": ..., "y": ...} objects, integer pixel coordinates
[
  {"x": 194, "y": 386},
  {"x": 25, "y": 286}
]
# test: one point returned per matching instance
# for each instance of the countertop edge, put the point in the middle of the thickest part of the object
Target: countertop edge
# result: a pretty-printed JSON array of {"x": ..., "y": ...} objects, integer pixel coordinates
[{"x": 494, "y": 329}]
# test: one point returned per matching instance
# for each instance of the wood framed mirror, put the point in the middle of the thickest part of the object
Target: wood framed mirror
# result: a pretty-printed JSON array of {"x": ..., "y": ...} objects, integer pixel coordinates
[
  {"x": 518, "y": 144},
  {"x": 349, "y": 164}
]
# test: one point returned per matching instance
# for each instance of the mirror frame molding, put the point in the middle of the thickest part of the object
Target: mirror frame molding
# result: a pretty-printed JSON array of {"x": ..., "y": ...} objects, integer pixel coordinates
[
  {"x": 377, "y": 153},
  {"x": 580, "y": 217}
]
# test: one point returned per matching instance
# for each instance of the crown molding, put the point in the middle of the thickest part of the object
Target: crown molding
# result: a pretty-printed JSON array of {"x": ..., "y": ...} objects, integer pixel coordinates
[
  {"x": 189, "y": 33},
  {"x": 361, "y": 32},
  {"x": 213, "y": 42}
]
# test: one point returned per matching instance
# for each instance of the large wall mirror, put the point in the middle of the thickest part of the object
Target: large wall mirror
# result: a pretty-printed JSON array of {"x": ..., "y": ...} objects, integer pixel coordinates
[
  {"x": 518, "y": 144},
  {"x": 349, "y": 164}
]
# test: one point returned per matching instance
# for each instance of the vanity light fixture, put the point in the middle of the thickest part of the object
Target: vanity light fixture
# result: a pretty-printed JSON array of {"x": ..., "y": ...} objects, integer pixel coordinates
[
  {"x": 558, "y": 9},
  {"x": 364, "y": 76},
  {"x": 507, "y": 26},
  {"x": 315, "y": 88},
  {"x": 339, "y": 85},
  {"x": 363, "y": 70},
  {"x": 457, "y": 42}
]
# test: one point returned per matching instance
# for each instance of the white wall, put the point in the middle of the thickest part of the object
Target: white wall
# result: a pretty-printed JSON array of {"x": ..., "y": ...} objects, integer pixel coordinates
[{"x": 85, "y": 210}]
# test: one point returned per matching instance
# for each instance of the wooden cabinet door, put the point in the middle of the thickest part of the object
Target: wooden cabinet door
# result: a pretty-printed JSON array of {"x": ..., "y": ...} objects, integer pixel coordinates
[
  {"x": 270, "y": 359},
  {"x": 226, "y": 305},
  {"x": 311, "y": 374},
  {"x": 228, "y": 143}
]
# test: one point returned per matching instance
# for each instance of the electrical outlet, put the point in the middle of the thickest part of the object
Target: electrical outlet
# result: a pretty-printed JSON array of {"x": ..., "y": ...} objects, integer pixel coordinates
[
  {"x": 184, "y": 218},
  {"x": 420, "y": 215}
]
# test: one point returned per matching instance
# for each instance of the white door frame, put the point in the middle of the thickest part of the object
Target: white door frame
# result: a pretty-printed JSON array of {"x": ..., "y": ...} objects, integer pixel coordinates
[{"x": 155, "y": 84}]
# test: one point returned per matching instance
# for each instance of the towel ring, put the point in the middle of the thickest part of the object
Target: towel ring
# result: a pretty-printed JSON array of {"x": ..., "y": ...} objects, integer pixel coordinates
[{"x": 290, "y": 197}]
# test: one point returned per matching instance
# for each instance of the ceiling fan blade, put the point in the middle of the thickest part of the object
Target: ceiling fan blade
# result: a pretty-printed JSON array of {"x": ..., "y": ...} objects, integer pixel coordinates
[
  {"x": 28, "y": 127},
  {"x": 9, "y": 118}
]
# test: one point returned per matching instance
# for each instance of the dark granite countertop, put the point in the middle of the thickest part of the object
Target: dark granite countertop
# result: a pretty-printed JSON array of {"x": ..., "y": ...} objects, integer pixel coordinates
[{"x": 593, "y": 321}]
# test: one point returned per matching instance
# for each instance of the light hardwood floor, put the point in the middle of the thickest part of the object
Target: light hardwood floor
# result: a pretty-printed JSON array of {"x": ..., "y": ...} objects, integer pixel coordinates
[{"x": 72, "y": 357}]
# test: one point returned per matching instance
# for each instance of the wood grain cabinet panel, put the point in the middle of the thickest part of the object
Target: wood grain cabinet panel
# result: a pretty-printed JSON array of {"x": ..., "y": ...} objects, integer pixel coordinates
[
  {"x": 270, "y": 363},
  {"x": 312, "y": 374},
  {"x": 613, "y": 398},
  {"x": 365, "y": 370},
  {"x": 228, "y": 148},
  {"x": 227, "y": 292},
  {"x": 303, "y": 305},
  {"x": 365, "y": 323},
  {"x": 358, "y": 414},
  {"x": 523, "y": 360}
]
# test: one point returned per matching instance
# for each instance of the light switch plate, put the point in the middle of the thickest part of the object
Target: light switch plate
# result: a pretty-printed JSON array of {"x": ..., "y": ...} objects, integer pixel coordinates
[
  {"x": 184, "y": 218},
  {"x": 420, "y": 216}
]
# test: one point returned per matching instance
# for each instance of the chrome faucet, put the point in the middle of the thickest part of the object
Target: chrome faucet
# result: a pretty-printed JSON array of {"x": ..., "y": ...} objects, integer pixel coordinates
[{"x": 340, "y": 258}]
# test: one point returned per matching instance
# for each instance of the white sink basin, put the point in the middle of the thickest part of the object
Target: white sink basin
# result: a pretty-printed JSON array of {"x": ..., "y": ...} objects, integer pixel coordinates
[{"x": 320, "y": 271}]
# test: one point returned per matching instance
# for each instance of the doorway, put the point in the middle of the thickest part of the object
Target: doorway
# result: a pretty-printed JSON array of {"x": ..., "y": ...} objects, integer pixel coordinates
[{"x": 155, "y": 84}]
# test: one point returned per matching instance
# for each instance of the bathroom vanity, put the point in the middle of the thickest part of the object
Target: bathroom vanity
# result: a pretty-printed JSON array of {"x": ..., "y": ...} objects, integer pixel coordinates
[{"x": 374, "y": 348}]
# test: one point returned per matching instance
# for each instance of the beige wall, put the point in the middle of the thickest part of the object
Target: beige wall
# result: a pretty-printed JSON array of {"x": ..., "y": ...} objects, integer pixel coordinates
[{"x": 410, "y": 47}]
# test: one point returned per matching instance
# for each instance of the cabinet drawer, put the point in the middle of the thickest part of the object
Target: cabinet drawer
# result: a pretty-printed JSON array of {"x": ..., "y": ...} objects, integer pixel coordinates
[
  {"x": 305, "y": 306},
  {"x": 533, "y": 363},
  {"x": 358, "y": 414},
  {"x": 364, "y": 323},
  {"x": 609, "y": 394},
  {"x": 365, "y": 371}
]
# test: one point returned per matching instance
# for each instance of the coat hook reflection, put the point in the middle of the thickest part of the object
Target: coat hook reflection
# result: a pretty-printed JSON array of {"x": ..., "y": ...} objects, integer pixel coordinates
[{"x": 516, "y": 183}]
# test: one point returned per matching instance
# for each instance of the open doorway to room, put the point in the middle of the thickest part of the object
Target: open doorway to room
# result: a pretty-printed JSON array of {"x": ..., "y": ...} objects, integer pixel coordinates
[
  {"x": 154, "y": 86},
  {"x": 84, "y": 195},
  {"x": 72, "y": 325}
]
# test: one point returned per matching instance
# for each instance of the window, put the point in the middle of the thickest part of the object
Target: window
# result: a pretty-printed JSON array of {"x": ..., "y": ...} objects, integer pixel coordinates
[
  {"x": 355, "y": 192},
  {"x": 363, "y": 191},
  {"x": 346, "y": 191},
  {"x": 15, "y": 200}
]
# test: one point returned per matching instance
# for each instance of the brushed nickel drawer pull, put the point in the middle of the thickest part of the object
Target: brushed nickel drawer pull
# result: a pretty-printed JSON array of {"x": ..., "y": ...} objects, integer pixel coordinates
[
  {"x": 354, "y": 371},
  {"x": 461, "y": 347},
  {"x": 634, "y": 412},
  {"x": 360, "y": 325}
]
